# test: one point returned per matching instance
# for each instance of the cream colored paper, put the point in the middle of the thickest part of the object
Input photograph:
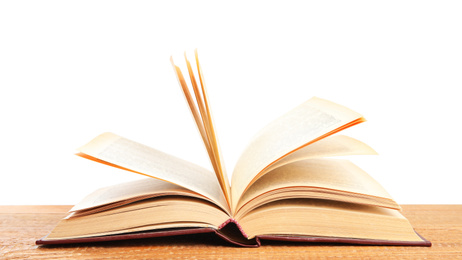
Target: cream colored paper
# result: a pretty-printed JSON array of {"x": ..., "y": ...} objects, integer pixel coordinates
[
  {"x": 166, "y": 212},
  {"x": 142, "y": 159},
  {"x": 336, "y": 145},
  {"x": 307, "y": 123},
  {"x": 128, "y": 192},
  {"x": 328, "y": 219},
  {"x": 329, "y": 174},
  {"x": 204, "y": 121}
]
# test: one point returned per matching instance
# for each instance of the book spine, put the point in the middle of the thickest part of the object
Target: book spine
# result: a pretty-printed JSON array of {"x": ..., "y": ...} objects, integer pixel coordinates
[
  {"x": 231, "y": 220},
  {"x": 233, "y": 232}
]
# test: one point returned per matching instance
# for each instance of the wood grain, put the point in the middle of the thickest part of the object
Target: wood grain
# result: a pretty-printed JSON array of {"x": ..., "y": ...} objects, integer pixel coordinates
[{"x": 20, "y": 226}]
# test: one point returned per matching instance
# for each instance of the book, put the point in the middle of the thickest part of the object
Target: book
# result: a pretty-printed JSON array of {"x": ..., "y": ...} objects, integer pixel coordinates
[{"x": 290, "y": 183}]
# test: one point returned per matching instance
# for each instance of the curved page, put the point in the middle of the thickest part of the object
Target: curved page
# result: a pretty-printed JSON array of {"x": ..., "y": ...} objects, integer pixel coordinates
[
  {"x": 311, "y": 121},
  {"x": 336, "y": 145},
  {"x": 123, "y": 153},
  {"x": 129, "y": 192},
  {"x": 327, "y": 174}
]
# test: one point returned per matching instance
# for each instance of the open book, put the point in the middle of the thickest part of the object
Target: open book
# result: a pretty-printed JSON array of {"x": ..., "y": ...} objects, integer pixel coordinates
[{"x": 285, "y": 185}]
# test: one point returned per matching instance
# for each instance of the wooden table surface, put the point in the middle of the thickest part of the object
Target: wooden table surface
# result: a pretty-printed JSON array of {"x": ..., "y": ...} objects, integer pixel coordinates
[{"x": 20, "y": 226}]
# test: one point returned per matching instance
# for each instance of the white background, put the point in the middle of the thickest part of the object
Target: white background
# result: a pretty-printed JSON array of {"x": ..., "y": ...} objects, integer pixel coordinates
[{"x": 72, "y": 70}]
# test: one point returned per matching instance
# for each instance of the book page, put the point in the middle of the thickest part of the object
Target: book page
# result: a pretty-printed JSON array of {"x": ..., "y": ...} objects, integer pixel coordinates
[
  {"x": 328, "y": 219},
  {"x": 204, "y": 120},
  {"x": 120, "y": 152},
  {"x": 127, "y": 192},
  {"x": 311, "y": 121},
  {"x": 329, "y": 174},
  {"x": 336, "y": 145},
  {"x": 198, "y": 118},
  {"x": 163, "y": 212},
  {"x": 221, "y": 174}
]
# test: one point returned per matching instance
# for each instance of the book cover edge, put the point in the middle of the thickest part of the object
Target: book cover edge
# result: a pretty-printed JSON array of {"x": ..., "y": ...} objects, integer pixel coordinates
[{"x": 226, "y": 236}]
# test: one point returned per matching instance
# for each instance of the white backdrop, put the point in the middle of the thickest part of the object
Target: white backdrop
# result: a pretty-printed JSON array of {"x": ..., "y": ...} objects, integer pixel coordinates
[{"x": 72, "y": 70}]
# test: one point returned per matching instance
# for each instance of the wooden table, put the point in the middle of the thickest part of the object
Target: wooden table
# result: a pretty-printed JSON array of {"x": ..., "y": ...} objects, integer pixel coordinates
[{"x": 20, "y": 226}]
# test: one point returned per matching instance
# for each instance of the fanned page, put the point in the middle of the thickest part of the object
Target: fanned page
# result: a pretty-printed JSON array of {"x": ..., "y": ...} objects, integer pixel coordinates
[
  {"x": 202, "y": 115},
  {"x": 311, "y": 121},
  {"x": 120, "y": 152}
]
